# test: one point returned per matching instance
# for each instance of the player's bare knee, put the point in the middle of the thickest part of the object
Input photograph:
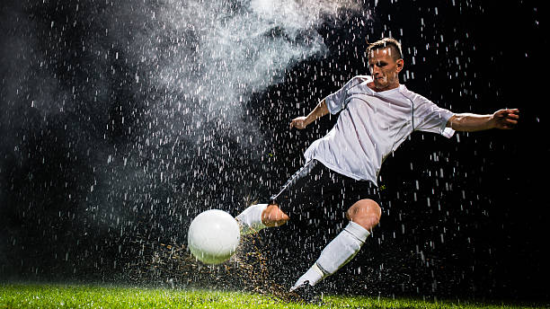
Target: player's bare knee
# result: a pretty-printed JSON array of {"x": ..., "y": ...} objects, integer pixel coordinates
[
  {"x": 273, "y": 216},
  {"x": 366, "y": 213}
]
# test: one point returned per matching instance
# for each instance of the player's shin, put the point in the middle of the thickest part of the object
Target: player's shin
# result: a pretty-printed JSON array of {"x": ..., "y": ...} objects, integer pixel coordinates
[
  {"x": 336, "y": 254},
  {"x": 250, "y": 220}
]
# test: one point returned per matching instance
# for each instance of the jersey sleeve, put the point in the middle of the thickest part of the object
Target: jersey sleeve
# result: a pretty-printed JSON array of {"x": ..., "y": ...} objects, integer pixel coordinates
[
  {"x": 428, "y": 117},
  {"x": 337, "y": 100}
]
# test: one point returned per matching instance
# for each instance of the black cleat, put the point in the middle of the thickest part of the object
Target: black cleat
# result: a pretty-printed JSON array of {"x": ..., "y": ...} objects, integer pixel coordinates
[{"x": 305, "y": 293}]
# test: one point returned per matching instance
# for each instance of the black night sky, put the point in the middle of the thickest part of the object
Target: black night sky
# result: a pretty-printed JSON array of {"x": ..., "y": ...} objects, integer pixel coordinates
[{"x": 122, "y": 120}]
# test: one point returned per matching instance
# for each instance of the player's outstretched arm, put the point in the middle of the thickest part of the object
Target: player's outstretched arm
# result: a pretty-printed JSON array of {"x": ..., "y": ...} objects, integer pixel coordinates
[
  {"x": 504, "y": 119},
  {"x": 302, "y": 122}
]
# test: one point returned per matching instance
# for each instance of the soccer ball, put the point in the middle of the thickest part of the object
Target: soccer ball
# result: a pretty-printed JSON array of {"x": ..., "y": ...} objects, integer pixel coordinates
[{"x": 213, "y": 236}]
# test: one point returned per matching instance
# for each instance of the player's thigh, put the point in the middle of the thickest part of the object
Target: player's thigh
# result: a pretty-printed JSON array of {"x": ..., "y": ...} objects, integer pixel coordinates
[{"x": 302, "y": 190}]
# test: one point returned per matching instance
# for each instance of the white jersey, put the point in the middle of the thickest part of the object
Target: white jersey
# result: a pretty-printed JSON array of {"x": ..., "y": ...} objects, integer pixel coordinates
[{"x": 371, "y": 125}]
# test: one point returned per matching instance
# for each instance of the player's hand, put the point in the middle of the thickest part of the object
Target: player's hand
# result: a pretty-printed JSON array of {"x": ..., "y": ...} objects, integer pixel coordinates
[
  {"x": 506, "y": 119},
  {"x": 299, "y": 123}
]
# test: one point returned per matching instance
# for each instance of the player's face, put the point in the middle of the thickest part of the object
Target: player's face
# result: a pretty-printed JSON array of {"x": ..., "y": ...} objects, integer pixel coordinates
[{"x": 384, "y": 69}]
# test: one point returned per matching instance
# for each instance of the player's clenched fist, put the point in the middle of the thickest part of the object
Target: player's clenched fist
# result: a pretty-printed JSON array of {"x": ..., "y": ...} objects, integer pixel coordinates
[
  {"x": 299, "y": 123},
  {"x": 506, "y": 119}
]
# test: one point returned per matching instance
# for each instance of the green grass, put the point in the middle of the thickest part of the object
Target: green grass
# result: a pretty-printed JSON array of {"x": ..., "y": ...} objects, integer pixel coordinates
[{"x": 93, "y": 296}]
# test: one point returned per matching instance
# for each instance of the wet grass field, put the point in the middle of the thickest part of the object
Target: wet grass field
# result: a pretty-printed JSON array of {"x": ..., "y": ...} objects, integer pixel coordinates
[{"x": 96, "y": 296}]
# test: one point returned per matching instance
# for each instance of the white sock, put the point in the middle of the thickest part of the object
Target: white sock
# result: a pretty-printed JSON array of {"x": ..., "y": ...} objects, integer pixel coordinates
[
  {"x": 250, "y": 220},
  {"x": 336, "y": 254}
]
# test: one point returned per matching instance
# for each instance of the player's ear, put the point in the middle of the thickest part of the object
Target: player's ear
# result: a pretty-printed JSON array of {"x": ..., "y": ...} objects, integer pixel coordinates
[{"x": 400, "y": 64}]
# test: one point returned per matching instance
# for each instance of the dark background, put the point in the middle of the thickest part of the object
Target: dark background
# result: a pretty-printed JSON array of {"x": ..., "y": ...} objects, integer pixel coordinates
[{"x": 465, "y": 217}]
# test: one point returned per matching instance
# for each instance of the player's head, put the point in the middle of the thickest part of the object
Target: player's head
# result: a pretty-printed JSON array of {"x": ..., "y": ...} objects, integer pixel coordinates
[{"x": 385, "y": 62}]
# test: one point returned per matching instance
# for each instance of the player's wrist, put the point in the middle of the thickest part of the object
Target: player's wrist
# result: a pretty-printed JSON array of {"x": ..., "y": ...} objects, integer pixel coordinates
[{"x": 492, "y": 122}]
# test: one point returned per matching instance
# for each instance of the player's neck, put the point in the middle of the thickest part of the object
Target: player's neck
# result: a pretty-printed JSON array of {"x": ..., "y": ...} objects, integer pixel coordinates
[{"x": 372, "y": 86}]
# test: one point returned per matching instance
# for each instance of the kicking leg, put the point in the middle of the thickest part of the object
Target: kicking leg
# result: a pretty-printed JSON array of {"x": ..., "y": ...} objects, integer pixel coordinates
[{"x": 363, "y": 215}]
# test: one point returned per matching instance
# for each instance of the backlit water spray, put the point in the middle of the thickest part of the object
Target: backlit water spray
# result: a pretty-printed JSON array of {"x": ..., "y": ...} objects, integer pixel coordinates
[{"x": 122, "y": 120}]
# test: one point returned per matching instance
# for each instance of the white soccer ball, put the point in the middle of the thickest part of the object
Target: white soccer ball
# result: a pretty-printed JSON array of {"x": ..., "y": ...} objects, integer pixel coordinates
[{"x": 213, "y": 236}]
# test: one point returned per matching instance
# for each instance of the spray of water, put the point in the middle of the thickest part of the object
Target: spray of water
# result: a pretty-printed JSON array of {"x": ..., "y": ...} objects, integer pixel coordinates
[{"x": 125, "y": 117}]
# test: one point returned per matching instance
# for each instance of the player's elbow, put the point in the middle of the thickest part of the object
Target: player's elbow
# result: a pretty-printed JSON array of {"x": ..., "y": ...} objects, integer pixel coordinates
[{"x": 455, "y": 123}]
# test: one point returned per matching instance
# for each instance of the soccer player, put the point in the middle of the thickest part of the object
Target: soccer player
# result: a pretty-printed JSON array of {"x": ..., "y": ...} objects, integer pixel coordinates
[{"x": 376, "y": 114}]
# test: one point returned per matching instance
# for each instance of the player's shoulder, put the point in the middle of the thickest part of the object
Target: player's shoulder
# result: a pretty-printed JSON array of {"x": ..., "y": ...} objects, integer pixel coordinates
[
  {"x": 417, "y": 98},
  {"x": 361, "y": 79},
  {"x": 357, "y": 80}
]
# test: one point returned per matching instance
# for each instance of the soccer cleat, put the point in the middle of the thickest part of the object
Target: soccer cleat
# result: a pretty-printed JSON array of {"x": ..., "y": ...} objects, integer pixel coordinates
[{"x": 306, "y": 293}]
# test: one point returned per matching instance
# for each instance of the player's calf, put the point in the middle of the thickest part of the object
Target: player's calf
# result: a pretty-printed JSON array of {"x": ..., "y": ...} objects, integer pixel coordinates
[
  {"x": 259, "y": 216},
  {"x": 273, "y": 216},
  {"x": 335, "y": 255}
]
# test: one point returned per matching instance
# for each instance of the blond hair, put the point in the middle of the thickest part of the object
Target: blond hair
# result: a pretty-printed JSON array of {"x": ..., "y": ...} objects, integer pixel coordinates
[{"x": 387, "y": 42}]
